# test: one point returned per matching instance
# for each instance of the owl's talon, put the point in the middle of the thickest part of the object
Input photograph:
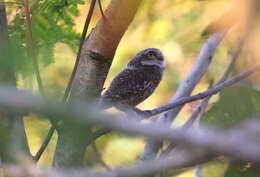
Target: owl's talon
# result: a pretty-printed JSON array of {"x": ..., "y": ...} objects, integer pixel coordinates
[{"x": 144, "y": 114}]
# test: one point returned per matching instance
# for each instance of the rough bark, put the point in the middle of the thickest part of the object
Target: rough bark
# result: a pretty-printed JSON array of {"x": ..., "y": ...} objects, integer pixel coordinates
[
  {"x": 96, "y": 58},
  {"x": 98, "y": 51}
]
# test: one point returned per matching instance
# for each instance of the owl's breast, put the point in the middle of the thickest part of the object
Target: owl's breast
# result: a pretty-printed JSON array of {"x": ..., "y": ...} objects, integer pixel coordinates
[{"x": 146, "y": 85}]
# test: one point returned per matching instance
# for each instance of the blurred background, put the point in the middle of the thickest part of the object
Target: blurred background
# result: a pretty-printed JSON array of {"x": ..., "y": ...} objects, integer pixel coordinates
[{"x": 177, "y": 27}]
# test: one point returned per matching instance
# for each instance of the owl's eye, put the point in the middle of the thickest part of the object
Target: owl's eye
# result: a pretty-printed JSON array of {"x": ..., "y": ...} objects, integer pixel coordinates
[{"x": 151, "y": 54}]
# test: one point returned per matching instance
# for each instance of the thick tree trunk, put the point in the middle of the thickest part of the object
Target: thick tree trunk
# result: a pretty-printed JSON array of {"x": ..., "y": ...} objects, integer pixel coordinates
[{"x": 96, "y": 58}]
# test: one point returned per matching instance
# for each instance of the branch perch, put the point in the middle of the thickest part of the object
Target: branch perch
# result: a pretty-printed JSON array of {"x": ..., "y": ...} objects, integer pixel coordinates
[
  {"x": 240, "y": 146},
  {"x": 211, "y": 91},
  {"x": 197, "y": 71}
]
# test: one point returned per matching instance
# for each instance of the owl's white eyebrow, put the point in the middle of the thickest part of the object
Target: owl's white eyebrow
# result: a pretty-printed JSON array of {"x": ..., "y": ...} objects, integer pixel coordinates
[
  {"x": 160, "y": 64},
  {"x": 130, "y": 67}
]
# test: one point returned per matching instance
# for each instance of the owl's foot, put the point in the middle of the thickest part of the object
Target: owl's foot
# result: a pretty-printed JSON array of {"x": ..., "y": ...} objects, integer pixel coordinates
[
  {"x": 135, "y": 113},
  {"x": 142, "y": 114}
]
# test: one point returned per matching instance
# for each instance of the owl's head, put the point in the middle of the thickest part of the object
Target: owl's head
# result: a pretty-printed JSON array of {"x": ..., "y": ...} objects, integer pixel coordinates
[{"x": 147, "y": 58}]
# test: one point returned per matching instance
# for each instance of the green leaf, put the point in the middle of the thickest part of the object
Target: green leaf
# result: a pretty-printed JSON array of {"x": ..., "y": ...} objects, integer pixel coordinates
[
  {"x": 235, "y": 105},
  {"x": 242, "y": 170}
]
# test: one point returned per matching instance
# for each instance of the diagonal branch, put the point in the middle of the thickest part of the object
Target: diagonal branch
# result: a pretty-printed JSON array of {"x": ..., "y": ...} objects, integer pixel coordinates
[
  {"x": 83, "y": 36},
  {"x": 93, "y": 66},
  {"x": 201, "y": 109},
  {"x": 82, "y": 39},
  {"x": 182, "y": 159},
  {"x": 209, "y": 92},
  {"x": 31, "y": 45},
  {"x": 198, "y": 113},
  {"x": 32, "y": 54},
  {"x": 44, "y": 145},
  {"x": 243, "y": 144},
  {"x": 196, "y": 73},
  {"x": 99, "y": 157},
  {"x": 215, "y": 89},
  {"x": 101, "y": 9}
]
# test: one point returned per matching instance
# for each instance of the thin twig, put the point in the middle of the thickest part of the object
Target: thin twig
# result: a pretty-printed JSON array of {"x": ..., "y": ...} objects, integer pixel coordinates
[
  {"x": 201, "y": 109},
  {"x": 198, "y": 113},
  {"x": 99, "y": 157},
  {"x": 182, "y": 159},
  {"x": 211, "y": 91},
  {"x": 83, "y": 36},
  {"x": 195, "y": 74},
  {"x": 12, "y": 2},
  {"x": 100, "y": 133},
  {"x": 32, "y": 53},
  {"x": 44, "y": 145},
  {"x": 31, "y": 46},
  {"x": 198, "y": 171},
  {"x": 198, "y": 70},
  {"x": 82, "y": 39},
  {"x": 101, "y": 9}
]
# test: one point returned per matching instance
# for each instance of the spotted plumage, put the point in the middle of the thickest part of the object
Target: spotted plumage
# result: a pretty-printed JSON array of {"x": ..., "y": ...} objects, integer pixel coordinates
[{"x": 136, "y": 82}]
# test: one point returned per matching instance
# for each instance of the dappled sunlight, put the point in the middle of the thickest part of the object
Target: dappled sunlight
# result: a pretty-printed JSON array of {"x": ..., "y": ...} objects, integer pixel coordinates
[
  {"x": 121, "y": 150},
  {"x": 175, "y": 28},
  {"x": 179, "y": 28}
]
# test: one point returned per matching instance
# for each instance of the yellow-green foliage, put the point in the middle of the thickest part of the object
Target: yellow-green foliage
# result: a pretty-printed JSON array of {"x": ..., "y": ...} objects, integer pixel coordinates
[{"x": 174, "y": 26}]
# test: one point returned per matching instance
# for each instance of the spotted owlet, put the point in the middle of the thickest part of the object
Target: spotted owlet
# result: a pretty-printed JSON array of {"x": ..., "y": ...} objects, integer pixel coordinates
[{"x": 136, "y": 82}]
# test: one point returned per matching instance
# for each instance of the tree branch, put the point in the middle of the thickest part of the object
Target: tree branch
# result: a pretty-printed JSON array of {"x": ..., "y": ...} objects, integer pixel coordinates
[
  {"x": 209, "y": 92},
  {"x": 181, "y": 101},
  {"x": 82, "y": 39},
  {"x": 31, "y": 45},
  {"x": 101, "y": 9},
  {"x": 243, "y": 144},
  {"x": 182, "y": 159},
  {"x": 99, "y": 157},
  {"x": 12, "y": 2},
  {"x": 95, "y": 60},
  {"x": 83, "y": 36},
  {"x": 44, "y": 145},
  {"x": 200, "y": 110},
  {"x": 98, "y": 51},
  {"x": 197, "y": 71}
]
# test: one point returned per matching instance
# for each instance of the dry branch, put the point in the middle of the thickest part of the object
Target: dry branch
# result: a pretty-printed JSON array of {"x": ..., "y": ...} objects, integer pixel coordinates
[
  {"x": 182, "y": 159},
  {"x": 197, "y": 71},
  {"x": 184, "y": 100},
  {"x": 243, "y": 141},
  {"x": 200, "y": 110},
  {"x": 31, "y": 45},
  {"x": 66, "y": 93},
  {"x": 211, "y": 91},
  {"x": 239, "y": 146}
]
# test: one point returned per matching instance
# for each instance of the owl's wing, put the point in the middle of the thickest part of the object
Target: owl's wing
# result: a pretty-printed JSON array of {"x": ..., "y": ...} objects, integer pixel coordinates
[{"x": 126, "y": 84}]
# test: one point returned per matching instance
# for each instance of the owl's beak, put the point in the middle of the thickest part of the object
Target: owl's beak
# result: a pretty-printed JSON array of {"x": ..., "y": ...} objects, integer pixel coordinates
[{"x": 158, "y": 63}]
